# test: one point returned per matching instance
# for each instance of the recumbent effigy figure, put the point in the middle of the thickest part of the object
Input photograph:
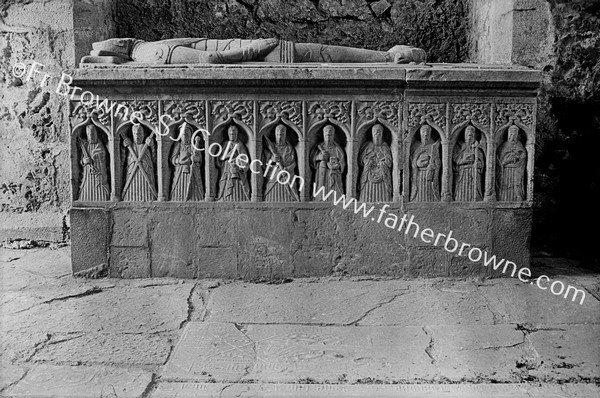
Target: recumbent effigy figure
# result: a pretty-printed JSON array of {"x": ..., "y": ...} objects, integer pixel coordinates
[
  {"x": 214, "y": 51},
  {"x": 376, "y": 161},
  {"x": 187, "y": 160},
  {"x": 94, "y": 182}
]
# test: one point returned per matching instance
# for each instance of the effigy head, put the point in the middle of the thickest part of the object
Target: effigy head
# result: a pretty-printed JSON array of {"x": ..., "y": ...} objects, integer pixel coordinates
[
  {"x": 280, "y": 134},
  {"x": 91, "y": 133},
  {"x": 185, "y": 132},
  {"x": 233, "y": 132},
  {"x": 469, "y": 134},
  {"x": 377, "y": 132},
  {"x": 328, "y": 132},
  {"x": 513, "y": 133},
  {"x": 117, "y": 47},
  {"x": 425, "y": 132}
]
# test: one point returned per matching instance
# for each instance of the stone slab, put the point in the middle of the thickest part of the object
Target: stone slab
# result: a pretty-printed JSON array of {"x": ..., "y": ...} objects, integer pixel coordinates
[
  {"x": 334, "y": 303},
  {"x": 292, "y": 353},
  {"x": 224, "y": 390},
  {"x": 566, "y": 352},
  {"x": 89, "y": 238},
  {"x": 465, "y": 353},
  {"x": 100, "y": 348},
  {"x": 51, "y": 381},
  {"x": 41, "y": 226},
  {"x": 119, "y": 309}
]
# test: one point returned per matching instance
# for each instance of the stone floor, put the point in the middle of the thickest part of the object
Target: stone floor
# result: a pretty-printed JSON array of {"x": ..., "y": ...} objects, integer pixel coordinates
[{"x": 66, "y": 337}]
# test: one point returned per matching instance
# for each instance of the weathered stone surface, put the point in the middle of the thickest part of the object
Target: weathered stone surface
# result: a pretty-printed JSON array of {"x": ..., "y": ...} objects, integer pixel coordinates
[
  {"x": 130, "y": 227},
  {"x": 225, "y": 390},
  {"x": 289, "y": 353},
  {"x": 100, "y": 348},
  {"x": 511, "y": 235},
  {"x": 81, "y": 382},
  {"x": 336, "y": 303},
  {"x": 447, "y": 303},
  {"x": 568, "y": 353},
  {"x": 129, "y": 262},
  {"x": 427, "y": 262},
  {"x": 151, "y": 309},
  {"x": 10, "y": 374},
  {"x": 467, "y": 352},
  {"x": 89, "y": 238},
  {"x": 312, "y": 261},
  {"x": 520, "y": 303}
]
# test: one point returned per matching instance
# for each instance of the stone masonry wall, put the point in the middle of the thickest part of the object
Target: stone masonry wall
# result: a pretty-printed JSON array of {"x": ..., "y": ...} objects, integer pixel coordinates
[
  {"x": 34, "y": 149},
  {"x": 440, "y": 26}
]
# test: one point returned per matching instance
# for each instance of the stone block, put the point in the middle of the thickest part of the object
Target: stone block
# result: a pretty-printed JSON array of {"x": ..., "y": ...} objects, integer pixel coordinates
[
  {"x": 130, "y": 227},
  {"x": 386, "y": 259},
  {"x": 470, "y": 226},
  {"x": 129, "y": 262},
  {"x": 215, "y": 227},
  {"x": 312, "y": 261},
  {"x": 270, "y": 227},
  {"x": 462, "y": 266},
  {"x": 264, "y": 262},
  {"x": 313, "y": 227},
  {"x": 511, "y": 236},
  {"x": 89, "y": 238},
  {"x": 216, "y": 262},
  {"x": 427, "y": 262},
  {"x": 173, "y": 247}
]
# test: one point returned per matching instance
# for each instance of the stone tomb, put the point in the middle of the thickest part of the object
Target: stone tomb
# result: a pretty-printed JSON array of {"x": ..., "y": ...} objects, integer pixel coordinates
[{"x": 452, "y": 145}]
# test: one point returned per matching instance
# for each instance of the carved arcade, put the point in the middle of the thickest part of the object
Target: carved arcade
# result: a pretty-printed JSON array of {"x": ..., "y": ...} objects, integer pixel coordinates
[{"x": 447, "y": 152}]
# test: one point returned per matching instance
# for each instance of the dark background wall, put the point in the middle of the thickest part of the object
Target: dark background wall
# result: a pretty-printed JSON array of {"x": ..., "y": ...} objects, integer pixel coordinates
[
  {"x": 441, "y": 26},
  {"x": 568, "y": 166}
]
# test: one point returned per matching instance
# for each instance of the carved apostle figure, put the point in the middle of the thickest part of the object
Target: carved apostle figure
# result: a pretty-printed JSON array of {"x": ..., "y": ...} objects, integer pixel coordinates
[
  {"x": 201, "y": 50},
  {"x": 140, "y": 179},
  {"x": 94, "y": 182},
  {"x": 233, "y": 183},
  {"x": 376, "y": 162},
  {"x": 469, "y": 163},
  {"x": 282, "y": 156},
  {"x": 512, "y": 160},
  {"x": 425, "y": 168},
  {"x": 187, "y": 160},
  {"x": 329, "y": 162}
]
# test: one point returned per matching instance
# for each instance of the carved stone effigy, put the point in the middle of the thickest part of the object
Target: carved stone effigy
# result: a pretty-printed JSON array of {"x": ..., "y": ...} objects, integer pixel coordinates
[
  {"x": 512, "y": 159},
  {"x": 282, "y": 158},
  {"x": 94, "y": 180},
  {"x": 469, "y": 168},
  {"x": 329, "y": 163},
  {"x": 233, "y": 181},
  {"x": 187, "y": 161},
  {"x": 425, "y": 165},
  {"x": 139, "y": 171},
  {"x": 209, "y": 171},
  {"x": 376, "y": 162}
]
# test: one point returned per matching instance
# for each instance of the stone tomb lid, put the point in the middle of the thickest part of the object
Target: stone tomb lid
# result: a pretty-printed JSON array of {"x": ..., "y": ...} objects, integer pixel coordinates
[{"x": 410, "y": 75}]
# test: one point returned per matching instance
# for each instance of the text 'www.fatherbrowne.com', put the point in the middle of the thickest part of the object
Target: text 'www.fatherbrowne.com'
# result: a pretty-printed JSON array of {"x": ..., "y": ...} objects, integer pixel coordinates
[{"x": 450, "y": 244}]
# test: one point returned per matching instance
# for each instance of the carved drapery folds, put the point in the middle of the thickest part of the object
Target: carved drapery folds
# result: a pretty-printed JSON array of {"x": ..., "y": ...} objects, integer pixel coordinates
[{"x": 422, "y": 151}]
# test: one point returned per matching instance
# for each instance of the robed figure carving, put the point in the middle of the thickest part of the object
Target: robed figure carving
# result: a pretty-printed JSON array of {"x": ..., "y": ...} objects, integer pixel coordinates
[
  {"x": 469, "y": 163},
  {"x": 329, "y": 162},
  {"x": 376, "y": 162},
  {"x": 425, "y": 167},
  {"x": 140, "y": 178},
  {"x": 281, "y": 156},
  {"x": 187, "y": 160},
  {"x": 512, "y": 160},
  {"x": 233, "y": 183},
  {"x": 94, "y": 182}
]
